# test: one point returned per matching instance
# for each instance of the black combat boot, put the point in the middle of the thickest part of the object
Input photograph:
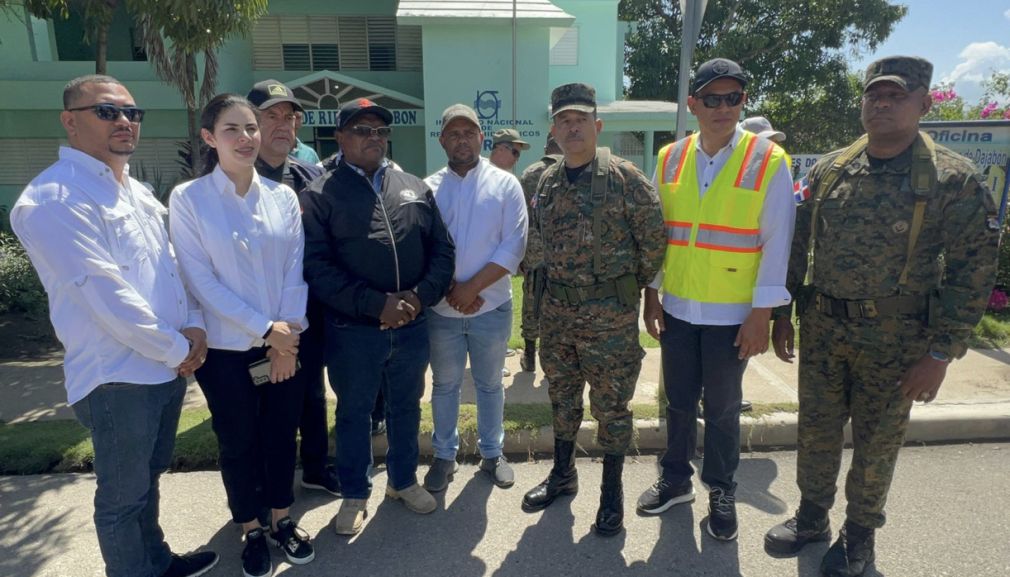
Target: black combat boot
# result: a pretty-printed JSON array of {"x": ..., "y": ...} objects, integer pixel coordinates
[
  {"x": 563, "y": 479},
  {"x": 610, "y": 516},
  {"x": 528, "y": 362},
  {"x": 851, "y": 554},
  {"x": 809, "y": 525}
]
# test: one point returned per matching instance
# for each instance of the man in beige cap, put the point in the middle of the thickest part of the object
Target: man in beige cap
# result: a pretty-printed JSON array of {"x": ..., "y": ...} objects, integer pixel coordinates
[
  {"x": 878, "y": 333},
  {"x": 506, "y": 147}
]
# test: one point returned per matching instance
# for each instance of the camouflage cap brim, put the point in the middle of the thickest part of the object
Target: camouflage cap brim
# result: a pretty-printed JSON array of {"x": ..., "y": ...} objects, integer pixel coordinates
[
  {"x": 891, "y": 78},
  {"x": 579, "y": 107}
]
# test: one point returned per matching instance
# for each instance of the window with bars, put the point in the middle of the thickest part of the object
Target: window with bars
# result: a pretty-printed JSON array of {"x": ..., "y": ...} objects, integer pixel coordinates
[{"x": 310, "y": 43}]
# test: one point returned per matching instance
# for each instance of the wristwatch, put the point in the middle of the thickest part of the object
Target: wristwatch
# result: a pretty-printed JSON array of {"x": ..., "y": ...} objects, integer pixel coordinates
[{"x": 943, "y": 358}]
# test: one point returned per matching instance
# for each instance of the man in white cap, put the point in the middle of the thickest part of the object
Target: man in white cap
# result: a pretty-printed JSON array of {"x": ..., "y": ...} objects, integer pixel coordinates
[{"x": 762, "y": 127}]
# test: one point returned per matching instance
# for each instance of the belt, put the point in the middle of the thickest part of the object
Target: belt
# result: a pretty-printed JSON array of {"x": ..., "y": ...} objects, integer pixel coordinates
[
  {"x": 901, "y": 305},
  {"x": 576, "y": 295}
]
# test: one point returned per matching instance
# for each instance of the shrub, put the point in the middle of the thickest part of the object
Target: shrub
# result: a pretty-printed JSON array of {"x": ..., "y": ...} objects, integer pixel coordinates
[{"x": 20, "y": 287}]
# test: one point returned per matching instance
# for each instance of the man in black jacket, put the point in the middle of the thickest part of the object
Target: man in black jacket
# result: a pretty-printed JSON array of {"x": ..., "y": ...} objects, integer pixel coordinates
[{"x": 377, "y": 254}]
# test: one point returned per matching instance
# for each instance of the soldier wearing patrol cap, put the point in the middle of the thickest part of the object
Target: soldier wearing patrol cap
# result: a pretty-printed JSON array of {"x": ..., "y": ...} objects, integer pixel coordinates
[
  {"x": 506, "y": 146},
  {"x": 882, "y": 314},
  {"x": 599, "y": 220}
]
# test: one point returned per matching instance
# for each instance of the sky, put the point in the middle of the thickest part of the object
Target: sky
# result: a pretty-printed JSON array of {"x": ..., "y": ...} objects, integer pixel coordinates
[{"x": 964, "y": 39}]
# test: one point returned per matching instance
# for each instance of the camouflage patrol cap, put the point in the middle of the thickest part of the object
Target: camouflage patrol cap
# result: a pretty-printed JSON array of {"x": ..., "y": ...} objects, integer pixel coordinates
[
  {"x": 908, "y": 72},
  {"x": 510, "y": 136},
  {"x": 574, "y": 96}
]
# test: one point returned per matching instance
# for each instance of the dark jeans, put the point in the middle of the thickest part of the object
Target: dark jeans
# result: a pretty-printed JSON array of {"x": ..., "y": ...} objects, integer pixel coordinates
[
  {"x": 133, "y": 432},
  {"x": 362, "y": 360},
  {"x": 315, "y": 446},
  {"x": 255, "y": 428},
  {"x": 700, "y": 360}
]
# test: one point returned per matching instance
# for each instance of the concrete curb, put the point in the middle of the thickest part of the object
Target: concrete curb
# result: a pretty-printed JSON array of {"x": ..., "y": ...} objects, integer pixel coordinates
[{"x": 929, "y": 424}]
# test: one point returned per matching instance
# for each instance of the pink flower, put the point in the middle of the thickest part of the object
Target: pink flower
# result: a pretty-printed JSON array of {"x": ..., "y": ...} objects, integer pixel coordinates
[
  {"x": 938, "y": 95},
  {"x": 998, "y": 300},
  {"x": 1006, "y": 113},
  {"x": 951, "y": 95}
]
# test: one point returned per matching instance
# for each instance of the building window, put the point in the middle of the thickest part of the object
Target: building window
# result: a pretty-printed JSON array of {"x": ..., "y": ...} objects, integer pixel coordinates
[
  {"x": 565, "y": 46},
  {"x": 306, "y": 43}
]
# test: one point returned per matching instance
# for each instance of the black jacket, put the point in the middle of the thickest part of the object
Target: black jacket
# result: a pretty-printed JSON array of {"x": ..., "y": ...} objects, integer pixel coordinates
[{"x": 360, "y": 245}]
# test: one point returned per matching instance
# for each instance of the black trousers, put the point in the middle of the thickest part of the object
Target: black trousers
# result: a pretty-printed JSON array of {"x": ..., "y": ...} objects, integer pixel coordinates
[
  {"x": 255, "y": 428},
  {"x": 701, "y": 361}
]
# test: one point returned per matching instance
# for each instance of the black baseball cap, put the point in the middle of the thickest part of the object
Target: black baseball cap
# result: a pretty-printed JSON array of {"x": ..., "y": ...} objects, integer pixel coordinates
[
  {"x": 269, "y": 92},
  {"x": 360, "y": 106},
  {"x": 715, "y": 69}
]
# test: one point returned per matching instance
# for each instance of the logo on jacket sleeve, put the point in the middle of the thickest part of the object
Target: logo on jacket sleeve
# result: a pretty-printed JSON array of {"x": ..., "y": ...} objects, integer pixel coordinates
[{"x": 801, "y": 190}]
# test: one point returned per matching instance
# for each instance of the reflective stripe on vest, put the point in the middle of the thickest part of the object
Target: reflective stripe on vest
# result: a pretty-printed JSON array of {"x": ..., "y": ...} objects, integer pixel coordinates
[{"x": 713, "y": 243}]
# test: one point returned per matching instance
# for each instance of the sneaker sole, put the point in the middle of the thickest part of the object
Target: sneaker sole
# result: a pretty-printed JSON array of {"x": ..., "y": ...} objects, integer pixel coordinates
[
  {"x": 207, "y": 568},
  {"x": 292, "y": 560},
  {"x": 244, "y": 574},
  {"x": 320, "y": 488},
  {"x": 688, "y": 498},
  {"x": 708, "y": 529}
]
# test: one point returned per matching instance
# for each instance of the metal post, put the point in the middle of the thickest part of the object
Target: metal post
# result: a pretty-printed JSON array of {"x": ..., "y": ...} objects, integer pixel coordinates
[{"x": 692, "y": 13}]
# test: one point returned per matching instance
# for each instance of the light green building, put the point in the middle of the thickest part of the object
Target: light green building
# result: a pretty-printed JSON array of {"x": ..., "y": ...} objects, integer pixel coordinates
[{"x": 415, "y": 57}]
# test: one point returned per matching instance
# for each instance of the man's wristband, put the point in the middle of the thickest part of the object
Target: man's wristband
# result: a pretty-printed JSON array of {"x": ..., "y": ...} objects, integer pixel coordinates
[{"x": 270, "y": 329}]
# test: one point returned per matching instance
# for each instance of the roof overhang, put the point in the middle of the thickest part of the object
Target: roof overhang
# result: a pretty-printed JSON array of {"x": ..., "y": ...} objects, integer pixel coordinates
[{"x": 541, "y": 12}]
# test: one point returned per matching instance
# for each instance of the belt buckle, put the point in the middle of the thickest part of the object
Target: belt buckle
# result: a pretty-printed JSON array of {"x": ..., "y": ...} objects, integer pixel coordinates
[{"x": 868, "y": 309}]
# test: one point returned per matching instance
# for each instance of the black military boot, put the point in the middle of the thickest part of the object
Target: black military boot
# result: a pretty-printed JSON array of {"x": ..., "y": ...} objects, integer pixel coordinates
[
  {"x": 563, "y": 479},
  {"x": 809, "y": 525},
  {"x": 528, "y": 362},
  {"x": 610, "y": 515},
  {"x": 851, "y": 554}
]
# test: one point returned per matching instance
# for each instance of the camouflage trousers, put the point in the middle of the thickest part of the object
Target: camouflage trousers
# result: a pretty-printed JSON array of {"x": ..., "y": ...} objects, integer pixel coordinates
[
  {"x": 530, "y": 327},
  {"x": 595, "y": 343},
  {"x": 849, "y": 369}
]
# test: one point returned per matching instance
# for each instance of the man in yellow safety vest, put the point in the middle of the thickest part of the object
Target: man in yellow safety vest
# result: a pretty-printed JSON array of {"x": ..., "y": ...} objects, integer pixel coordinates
[{"x": 728, "y": 206}]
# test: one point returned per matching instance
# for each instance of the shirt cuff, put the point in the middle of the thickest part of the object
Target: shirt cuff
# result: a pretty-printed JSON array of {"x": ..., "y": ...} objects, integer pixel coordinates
[
  {"x": 657, "y": 283},
  {"x": 948, "y": 347},
  {"x": 766, "y": 297},
  {"x": 178, "y": 352},
  {"x": 507, "y": 260}
]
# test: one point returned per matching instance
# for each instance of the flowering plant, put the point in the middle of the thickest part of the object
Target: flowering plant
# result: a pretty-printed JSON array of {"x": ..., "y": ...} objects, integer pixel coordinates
[{"x": 998, "y": 300}]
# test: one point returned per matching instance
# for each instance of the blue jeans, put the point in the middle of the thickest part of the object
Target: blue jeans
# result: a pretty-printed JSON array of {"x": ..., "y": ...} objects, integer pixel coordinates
[
  {"x": 133, "y": 431},
  {"x": 485, "y": 338},
  {"x": 701, "y": 361},
  {"x": 361, "y": 361}
]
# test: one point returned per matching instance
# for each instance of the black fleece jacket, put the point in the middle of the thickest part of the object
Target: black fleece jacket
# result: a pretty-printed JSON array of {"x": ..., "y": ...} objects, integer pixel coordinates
[{"x": 361, "y": 245}]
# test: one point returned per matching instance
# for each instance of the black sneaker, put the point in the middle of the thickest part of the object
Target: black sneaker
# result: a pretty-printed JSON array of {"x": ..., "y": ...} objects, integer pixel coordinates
[
  {"x": 191, "y": 565},
  {"x": 294, "y": 541},
  {"x": 256, "y": 555},
  {"x": 722, "y": 515},
  {"x": 662, "y": 495},
  {"x": 325, "y": 480}
]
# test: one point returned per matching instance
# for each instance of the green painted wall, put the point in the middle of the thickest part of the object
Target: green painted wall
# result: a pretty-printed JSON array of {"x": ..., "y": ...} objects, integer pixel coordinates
[
  {"x": 595, "y": 20},
  {"x": 475, "y": 57}
]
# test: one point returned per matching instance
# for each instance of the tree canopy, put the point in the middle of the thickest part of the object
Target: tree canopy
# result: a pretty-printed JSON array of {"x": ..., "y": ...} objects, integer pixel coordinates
[{"x": 796, "y": 52}]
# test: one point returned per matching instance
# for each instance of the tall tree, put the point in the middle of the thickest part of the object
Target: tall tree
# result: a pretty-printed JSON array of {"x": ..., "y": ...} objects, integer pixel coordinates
[
  {"x": 795, "y": 51},
  {"x": 178, "y": 34}
]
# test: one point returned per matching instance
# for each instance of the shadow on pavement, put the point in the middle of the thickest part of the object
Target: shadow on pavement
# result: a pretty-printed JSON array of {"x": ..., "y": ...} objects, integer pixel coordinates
[{"x": 36, "y": 534}]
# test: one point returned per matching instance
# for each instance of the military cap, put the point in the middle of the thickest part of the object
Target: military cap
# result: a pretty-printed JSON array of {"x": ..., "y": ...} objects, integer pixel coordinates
[
  {"x": 269, "y": 92},
  {"x": 715, "y": 69},
  {"x": 354, "y": 108},
  {"x": 510, "y": 136},
  {"x": 574, "y": 96},
  {"x": 459, "y": 111},
  {"x": 908, "y": 72}
]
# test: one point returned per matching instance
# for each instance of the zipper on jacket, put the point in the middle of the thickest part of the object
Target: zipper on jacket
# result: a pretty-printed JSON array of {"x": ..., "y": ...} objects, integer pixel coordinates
[{"x": 392, "y": 237}]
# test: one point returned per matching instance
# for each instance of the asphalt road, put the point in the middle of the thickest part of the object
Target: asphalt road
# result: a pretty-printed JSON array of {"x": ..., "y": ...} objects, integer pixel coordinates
[{"x": 947, "y": 516}]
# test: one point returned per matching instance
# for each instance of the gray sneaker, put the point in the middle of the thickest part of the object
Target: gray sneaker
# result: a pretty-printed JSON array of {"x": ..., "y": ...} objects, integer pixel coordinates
[
  {"x": 439, "y": 475},
  {"x": 499, "y": 470}
]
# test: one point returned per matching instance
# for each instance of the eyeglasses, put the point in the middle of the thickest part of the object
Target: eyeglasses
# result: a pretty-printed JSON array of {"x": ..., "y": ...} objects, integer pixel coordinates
[
  {"x": 366, "y": 131},
  {"x": 111, "y": 112},
  {"x": 515, "y": 151},
  {"x": 714, "y": 100}
]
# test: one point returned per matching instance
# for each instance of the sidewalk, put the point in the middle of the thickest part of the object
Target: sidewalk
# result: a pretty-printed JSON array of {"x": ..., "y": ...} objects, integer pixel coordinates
[{"x": 974, "y": 402}]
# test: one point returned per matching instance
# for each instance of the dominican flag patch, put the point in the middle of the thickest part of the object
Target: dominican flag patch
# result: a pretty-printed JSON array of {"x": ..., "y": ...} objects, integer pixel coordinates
[{"x": 801, "y": 190}]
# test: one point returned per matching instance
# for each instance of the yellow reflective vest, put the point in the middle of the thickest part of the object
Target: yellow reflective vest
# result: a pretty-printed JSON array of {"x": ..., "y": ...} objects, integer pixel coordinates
[{"x": 714, "y": 246}]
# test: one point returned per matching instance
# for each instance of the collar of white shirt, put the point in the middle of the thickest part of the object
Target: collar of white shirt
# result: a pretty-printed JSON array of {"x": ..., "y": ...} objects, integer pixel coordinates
[
  {"x": 224, "y": 185},
  {"x": 737, "y": 135}
]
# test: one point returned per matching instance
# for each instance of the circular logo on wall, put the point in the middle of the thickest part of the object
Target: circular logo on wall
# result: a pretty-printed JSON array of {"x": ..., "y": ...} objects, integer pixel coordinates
[{"x": 487, "y": 104}]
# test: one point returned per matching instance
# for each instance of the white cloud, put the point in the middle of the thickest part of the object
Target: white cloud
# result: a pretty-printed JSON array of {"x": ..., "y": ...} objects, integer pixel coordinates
[
  {"x": 1007, "y": 14},
  {"x": 978, "y": 61}
]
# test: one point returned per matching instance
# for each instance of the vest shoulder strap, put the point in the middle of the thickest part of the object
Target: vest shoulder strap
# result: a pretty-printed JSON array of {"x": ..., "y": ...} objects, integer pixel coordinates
[{"x": 671, "y": 164}]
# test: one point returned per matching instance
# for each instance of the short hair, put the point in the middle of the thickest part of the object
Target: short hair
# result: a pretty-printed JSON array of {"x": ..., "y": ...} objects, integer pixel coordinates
[{"x": 72, "y": 91}]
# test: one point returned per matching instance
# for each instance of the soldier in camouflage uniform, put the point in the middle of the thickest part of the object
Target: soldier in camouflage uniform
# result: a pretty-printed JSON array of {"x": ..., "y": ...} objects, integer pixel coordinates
[
  {"x": 602, "y": 235},
  {"x": 532, "y": 264},
  {"x": 882, "y": 313}
]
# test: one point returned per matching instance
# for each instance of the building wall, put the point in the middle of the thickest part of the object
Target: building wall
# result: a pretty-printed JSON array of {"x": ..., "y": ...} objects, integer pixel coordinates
[{"x": 595, "y": 20}]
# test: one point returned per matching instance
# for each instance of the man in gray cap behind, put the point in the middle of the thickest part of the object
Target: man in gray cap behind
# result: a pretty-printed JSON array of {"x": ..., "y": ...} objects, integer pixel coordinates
[
  {"x": 506, "y": 146},
  {"x": 603, "y": 241},
  {"x": 877, "y": 333}
]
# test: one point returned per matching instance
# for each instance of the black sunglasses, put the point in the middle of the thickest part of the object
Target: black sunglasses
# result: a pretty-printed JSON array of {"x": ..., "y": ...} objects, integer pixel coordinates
[
  {"x": 714, "y": 100},
  {"x": 111, "y": 112},
  {"x": 381, "y": 131},
  {"x": 515, "y": 151}
]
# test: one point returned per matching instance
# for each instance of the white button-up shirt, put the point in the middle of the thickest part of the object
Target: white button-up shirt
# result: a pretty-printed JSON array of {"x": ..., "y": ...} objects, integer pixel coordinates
[
  {"x": 241, "y": 256},
  {"x": 485, "y": 212},
  {"x": 116, "y": 297},
  {"x": 777, "y": 222}
]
